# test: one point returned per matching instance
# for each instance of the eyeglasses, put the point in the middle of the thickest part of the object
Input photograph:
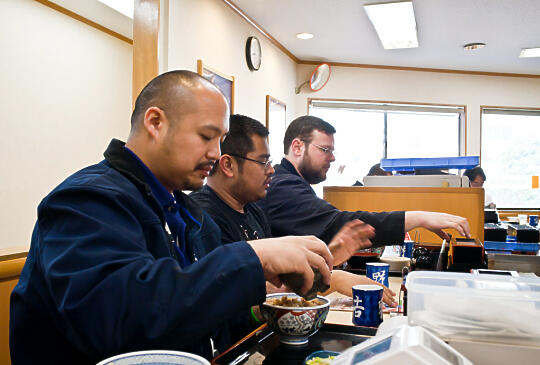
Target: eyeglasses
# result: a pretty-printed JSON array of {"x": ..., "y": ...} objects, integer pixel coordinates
[
  {"x": 327, "y": 150},
  {"x": 266, "y": 164}
]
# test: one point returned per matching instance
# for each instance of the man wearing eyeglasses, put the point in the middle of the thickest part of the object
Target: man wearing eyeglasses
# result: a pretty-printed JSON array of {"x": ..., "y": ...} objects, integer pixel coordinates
[
  {"x": 293, "y": 208},
  {"x": 241, "y": 177}
]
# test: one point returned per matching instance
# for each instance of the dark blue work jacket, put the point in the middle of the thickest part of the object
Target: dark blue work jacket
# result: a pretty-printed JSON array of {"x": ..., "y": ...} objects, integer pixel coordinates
[
  {"x": 293, "y": 208},
  {"x": 101, "y": 277}
]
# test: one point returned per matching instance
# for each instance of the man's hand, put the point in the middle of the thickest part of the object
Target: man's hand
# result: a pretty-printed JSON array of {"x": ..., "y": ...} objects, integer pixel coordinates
[
  {"x": 343, "y": 281},
  {"x": 353, "y": 236},
  {"x": 272, "y": 289},
  {"x": 436, "y": 222},
  {"x": 293, "y": 254}
]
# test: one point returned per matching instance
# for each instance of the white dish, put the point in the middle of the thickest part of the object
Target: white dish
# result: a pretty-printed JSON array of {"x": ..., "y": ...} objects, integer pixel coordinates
[
  {"x": 155, "y": 357},
  {"x": 396, "y": 262}
]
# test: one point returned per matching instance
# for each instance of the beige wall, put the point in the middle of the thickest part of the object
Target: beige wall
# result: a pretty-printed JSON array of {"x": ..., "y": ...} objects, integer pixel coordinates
[
  {"x": 209, "y": 30},
  {"x": 426, "y": 87},
  {"x": 65, "y": 91}
]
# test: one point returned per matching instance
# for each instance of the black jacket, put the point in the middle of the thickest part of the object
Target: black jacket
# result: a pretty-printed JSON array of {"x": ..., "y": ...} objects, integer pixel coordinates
[{"x": 293, "y": 208}]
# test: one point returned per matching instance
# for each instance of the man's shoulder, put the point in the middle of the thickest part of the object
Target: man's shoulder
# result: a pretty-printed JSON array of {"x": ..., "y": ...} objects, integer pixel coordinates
[
  {"x": 94, "y": 186},
  {"x": 254, "y": 209},
  {"x": 284, "y": 175},
  {"x": 100, "y": 176},
  {"x": 281, "y": 169},
  {"x": 204, "y": 197},
  {"x": 284, "y": 180},
  {"x": 212, "y": 204}
]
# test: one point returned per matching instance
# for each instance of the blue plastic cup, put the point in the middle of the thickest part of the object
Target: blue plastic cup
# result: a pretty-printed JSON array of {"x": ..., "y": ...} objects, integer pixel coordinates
[
  {"x": 407, "y": 249},
  {"x": 367, "y": 301},
  {"x": 533, "y": 220},
  {"x": 378, "y": 271}
]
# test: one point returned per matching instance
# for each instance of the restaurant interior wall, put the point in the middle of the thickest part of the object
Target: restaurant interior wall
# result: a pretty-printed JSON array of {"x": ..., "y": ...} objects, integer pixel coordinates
[
  {"x": 211, "y": 31},
  {"x": 66, "y": 90},
  {"x": 358, "y": 83}
]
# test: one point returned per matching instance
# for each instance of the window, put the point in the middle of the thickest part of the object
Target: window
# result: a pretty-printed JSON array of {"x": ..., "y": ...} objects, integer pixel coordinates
[
  {"x": 368, "y": 132},
  {"x": 510, "y": 156}
]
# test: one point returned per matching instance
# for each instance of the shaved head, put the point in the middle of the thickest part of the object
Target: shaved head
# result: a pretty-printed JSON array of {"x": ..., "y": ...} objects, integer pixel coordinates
[
  {"x": 174, "y": 92},
  {"x": 177, "y": 124}
]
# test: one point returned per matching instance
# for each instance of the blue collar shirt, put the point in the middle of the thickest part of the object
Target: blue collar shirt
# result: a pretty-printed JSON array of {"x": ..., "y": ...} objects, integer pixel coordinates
[{"x": 175, "y": 213}]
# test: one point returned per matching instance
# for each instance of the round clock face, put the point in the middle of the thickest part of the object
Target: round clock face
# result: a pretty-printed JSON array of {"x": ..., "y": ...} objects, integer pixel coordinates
[{"x": 253, "y": 53}]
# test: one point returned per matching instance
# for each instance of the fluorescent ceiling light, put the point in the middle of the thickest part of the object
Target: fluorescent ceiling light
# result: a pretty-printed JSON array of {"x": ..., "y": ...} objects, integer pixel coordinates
[
  {"x": 122, "y": 6},
  {"x": 530, "y": 52},
  {"x": 473, "y": 46},
  {"x": 304, "y": 36},
  {"x": 395, "y": 24}
]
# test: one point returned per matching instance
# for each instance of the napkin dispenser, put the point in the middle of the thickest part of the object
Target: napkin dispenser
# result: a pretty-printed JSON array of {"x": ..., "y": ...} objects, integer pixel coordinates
[{"x": 465, "y": 254}]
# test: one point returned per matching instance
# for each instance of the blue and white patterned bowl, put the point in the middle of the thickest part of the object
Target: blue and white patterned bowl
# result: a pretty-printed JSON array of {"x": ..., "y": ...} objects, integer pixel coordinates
[
  {"x": 294, "y": 324},
  {"x": 155, "y": 357}
]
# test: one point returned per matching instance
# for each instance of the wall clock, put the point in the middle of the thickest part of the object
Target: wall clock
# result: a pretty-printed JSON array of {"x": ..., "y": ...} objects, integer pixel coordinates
[{"x": 253, "y": 53}]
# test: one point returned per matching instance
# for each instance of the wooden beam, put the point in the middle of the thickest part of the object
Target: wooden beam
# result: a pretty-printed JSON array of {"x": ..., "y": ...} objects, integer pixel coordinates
[
  {"x": 254, "y": 24},
  {"x": 420, "y": 69},
  {"x": 85, "y": 20},
  {"x": 145, "y": 44}
]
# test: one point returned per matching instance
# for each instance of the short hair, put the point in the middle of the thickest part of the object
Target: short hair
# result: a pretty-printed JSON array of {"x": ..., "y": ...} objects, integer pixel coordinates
[
  {"x": 238, "y": 140},
  {"x": 376, "y": 170},
  {"x": 474, "y": 172},
  {"x": 161, "y": 92},
  {"x": 302, "y": 128}
]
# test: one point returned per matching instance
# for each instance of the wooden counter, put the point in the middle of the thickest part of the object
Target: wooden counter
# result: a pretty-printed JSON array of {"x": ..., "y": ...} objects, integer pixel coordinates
[{"x": 465, "y": 202}]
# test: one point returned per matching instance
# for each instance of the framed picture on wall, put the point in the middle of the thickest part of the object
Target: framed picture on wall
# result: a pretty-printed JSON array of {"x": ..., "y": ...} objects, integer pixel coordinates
[
  {"x": 276, "y": 123},
  {"x": 224, "y": 82}
]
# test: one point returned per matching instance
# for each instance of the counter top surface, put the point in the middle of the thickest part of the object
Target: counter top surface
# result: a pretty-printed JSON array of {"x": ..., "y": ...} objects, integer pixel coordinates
[{"x": 345, "y": 317}]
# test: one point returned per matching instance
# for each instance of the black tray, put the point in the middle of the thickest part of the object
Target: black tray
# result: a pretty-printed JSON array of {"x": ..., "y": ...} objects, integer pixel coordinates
[{"x": 263, "y": 346}]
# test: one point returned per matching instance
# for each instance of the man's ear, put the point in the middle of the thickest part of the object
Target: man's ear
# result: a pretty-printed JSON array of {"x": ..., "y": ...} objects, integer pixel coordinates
[
  {"x": 155, "y": 122},
  {"x": 297, "y": 147},
  {"x": 227, "y": 165}
]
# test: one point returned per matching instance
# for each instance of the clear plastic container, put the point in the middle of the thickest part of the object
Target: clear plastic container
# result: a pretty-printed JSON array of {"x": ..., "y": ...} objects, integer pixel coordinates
[{"x": 492, "y": 308}]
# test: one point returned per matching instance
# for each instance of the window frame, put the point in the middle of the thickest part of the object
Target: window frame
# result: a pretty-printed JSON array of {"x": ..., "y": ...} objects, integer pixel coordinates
[
  {"x": 507, "y": 110},
  {"x": 462, "y": 135}
]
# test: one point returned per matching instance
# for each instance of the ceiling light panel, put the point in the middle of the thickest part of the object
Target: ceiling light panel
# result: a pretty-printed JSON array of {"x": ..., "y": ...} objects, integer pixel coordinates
[
  {"x": 304, "y": 36},
  {"x": 394, "y": 23},
  {"x": 473, "y": 46},
  {"x": 529, "y": 52}
]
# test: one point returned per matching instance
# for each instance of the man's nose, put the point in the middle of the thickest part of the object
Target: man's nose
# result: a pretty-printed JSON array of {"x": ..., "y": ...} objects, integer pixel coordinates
[
  {"x": 332, "y": 157},
  {"x": 214, "y": 153}
]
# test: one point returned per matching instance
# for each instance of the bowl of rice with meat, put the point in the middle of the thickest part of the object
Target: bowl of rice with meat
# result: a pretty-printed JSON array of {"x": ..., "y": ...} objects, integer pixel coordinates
[{"x": 293, "y": 318}]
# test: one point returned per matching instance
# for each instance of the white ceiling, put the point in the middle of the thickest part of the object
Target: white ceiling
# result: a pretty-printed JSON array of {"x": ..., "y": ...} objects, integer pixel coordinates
[{"x": 343, "y": 33}]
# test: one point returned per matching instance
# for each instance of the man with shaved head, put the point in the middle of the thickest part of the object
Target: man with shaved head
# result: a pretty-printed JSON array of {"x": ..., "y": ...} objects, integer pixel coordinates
[{"x": 121, "y": 260}]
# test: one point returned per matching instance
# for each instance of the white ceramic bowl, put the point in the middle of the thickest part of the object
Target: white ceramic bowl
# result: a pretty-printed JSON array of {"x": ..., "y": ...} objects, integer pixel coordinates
[
  {"x": 294, "y": 324},
  {"x": 396, "y": 262},
  {"x": 155, "y": 357}
]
